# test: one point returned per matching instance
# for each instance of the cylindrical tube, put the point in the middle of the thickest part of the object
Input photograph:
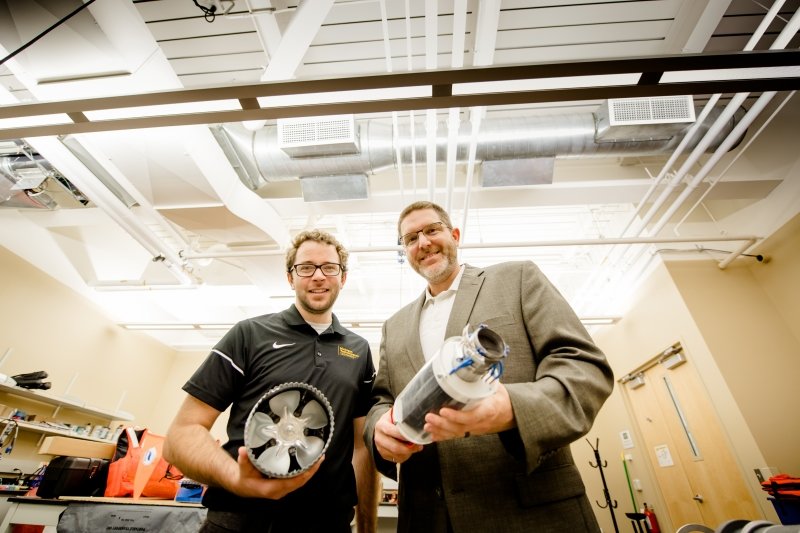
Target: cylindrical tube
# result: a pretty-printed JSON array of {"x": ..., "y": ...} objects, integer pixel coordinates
[{"x": 463, "y": 371}]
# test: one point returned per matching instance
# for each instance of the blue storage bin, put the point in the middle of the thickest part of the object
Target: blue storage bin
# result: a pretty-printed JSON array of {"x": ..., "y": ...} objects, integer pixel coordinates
[{"x": 788, "y": 509}]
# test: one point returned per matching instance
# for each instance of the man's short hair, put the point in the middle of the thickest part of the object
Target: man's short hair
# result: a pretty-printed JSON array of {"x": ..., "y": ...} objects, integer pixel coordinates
[
  {"x": 423, "y": 204},
  {"x": 315, "y": 235}
]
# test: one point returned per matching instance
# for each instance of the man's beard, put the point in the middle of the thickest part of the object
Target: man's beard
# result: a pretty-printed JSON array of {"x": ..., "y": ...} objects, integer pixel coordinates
[
  {"x": 318, "y": 308},
  {"x": 439, "y": 272}
]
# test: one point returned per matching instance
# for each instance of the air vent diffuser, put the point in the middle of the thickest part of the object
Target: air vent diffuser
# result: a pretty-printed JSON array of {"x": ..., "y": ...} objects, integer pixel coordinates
[
  {"x": 644, "y": 118},
  {"x": 317, "y": 136}
]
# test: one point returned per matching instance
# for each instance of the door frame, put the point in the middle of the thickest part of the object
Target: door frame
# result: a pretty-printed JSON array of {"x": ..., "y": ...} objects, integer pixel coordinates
[{"x": 631, "y": 377}]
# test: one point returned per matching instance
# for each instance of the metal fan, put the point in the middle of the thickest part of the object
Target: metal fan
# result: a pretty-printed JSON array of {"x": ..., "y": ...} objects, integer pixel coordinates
[{"x": 288, "y": 429}]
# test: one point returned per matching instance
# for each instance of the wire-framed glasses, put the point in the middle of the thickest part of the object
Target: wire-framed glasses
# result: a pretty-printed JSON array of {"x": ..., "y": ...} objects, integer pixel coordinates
[
  {"x": 306, "y": 270},
  {"x": 430, "y": 231}
]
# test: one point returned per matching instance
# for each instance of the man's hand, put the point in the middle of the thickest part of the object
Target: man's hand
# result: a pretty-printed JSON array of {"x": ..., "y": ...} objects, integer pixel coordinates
[
  {"x": 251, "y": 483},
  {"x": 490, "y": 415},
  {"x": 390, "y": 443}
]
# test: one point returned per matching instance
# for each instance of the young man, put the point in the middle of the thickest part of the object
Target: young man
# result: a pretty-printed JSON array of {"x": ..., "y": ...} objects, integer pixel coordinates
[
  {"x": 305, "y": 343},
  {"x": 504, "y": 465}
]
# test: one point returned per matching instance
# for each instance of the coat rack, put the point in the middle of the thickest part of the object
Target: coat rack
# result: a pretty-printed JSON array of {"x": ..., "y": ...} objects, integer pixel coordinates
[{"x": 610, "y": 504}]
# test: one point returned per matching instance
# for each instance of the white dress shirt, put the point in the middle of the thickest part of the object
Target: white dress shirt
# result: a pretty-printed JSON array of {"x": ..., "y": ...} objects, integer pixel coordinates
[{"x": 434, "y": 316}]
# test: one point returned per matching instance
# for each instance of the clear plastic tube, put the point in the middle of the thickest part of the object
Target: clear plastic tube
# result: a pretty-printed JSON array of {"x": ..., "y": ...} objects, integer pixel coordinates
[{"x": 462, "y": 372}]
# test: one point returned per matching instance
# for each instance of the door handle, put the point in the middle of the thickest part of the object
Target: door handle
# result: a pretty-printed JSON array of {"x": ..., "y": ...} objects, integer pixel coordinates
[{"x": 697, "y": 498}]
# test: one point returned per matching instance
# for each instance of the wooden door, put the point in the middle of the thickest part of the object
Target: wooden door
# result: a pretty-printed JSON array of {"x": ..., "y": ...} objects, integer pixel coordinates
[{"x": 695, "y": 468}]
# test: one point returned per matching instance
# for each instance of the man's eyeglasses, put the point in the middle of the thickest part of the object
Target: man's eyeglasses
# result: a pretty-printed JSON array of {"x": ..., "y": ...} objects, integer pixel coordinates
[
  {"x": 306, "y": 270},
  {"x": 430, "y": 231}
]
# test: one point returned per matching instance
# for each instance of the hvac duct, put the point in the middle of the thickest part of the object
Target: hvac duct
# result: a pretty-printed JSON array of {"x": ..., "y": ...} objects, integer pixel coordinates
[
  {"x": 27, "y": 180},
  {"x": 21, "y": 182},
  {"x": 260, "y": 160}
]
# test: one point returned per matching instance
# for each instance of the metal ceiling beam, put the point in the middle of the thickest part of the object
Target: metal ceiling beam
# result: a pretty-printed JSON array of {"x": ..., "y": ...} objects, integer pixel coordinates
[
  {"x": 305, "y": 23},
  {"x": 649, "y": 69}
]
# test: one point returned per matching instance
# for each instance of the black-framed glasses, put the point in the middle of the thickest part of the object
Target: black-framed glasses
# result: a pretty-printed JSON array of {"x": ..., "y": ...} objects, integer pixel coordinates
[
  {"x": 306, "y": 270},
  {"x": 430, "y": 231}
]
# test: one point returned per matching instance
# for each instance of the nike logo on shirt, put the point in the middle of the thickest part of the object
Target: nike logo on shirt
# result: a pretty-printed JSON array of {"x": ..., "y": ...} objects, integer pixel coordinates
[{"x": 276, "y": 345}]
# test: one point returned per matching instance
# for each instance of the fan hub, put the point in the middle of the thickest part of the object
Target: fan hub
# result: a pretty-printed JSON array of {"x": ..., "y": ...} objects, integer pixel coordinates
[{"x": 291, "y": 430}]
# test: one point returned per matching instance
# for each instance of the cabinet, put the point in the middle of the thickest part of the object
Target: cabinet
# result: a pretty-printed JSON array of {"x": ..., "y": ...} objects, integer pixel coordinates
[{"x": 71, "y": 403}]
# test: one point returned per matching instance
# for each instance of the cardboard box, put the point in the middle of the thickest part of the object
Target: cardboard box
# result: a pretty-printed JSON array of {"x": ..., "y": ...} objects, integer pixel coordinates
[{"x": 68, "y": 446}]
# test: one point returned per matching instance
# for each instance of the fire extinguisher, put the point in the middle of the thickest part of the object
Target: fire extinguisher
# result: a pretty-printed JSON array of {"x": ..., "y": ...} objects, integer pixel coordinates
[{"x": 651, "y": 520}]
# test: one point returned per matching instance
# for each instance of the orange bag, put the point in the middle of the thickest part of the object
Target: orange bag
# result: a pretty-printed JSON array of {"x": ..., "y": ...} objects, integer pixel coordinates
[{"x": 164, "y": 479}]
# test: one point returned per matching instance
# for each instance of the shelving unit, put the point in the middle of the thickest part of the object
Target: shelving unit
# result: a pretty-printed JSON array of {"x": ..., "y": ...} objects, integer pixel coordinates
[
  {"x": 61, "y": 401},
  {"x": 45, "y": 430}
]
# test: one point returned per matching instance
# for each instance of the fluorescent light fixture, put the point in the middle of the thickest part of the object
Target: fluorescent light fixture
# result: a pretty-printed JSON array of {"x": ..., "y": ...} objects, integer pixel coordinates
[
  {"x": 599, "y": 320},
  {"x": 538, "y": 84},
  {"x": 730, "y": 74},
  {"x": 359, "y": 95},
  {"x": 175, "y": 326},
  {"x": 151, "y": 327},
  {"x": 362, "y": 324},
  {"x": 35, "y": 120},
  {"x": 84, "y": 77},
  {"x": 354, "y": 324},
  {"x": 164, "y": 110},
  {"x": 138, "y": 285}
]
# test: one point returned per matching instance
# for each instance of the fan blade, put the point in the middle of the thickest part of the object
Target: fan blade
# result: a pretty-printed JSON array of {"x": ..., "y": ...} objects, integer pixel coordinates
[
  {"x": 285, "y": 401},
  {"x": 260, "y": 430},
  {"x": 314, "y": 415},
  {"x": 309, "y": 451},
  {"x": 275, "y": 460}
]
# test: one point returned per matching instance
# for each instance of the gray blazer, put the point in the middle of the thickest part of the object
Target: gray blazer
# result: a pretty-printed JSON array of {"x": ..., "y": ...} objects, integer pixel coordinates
[{"x": 519, "y": 480}]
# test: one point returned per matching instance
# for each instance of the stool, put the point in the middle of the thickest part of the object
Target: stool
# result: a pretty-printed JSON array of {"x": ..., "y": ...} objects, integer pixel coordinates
[{"x": 639, "y": 522}]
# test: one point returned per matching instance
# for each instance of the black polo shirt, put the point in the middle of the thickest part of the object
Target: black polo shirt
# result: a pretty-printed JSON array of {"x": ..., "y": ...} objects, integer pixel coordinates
[{"x": 260, "y": 353}]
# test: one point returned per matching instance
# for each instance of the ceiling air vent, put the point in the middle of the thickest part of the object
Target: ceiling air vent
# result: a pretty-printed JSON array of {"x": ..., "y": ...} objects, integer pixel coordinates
[
  {"x": 317, "y": 136},
  {"x": 629, "y": 119}
]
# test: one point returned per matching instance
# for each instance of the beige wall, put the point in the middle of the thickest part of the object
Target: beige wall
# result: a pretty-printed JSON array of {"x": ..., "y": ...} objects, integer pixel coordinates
[
  {"x": 171, "y": 395},
  {"x": 740, "y": 328},
  {"x": 749, "y": 317},
  {"x": 47, "y": 326}
]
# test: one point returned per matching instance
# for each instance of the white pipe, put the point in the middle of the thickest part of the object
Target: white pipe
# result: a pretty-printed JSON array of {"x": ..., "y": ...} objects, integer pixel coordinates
[
  {"x": 481, "y": 246},
  {"x": 723, "y": 148},
  {"x": 431, "y": 62},
  {"x": 735, "y": 158},
  {"x": 736, "y": 253},
  {"x": 781, "y": 41},
  {"x": 84, "y": 179},
  {"x": 431, "y": 125},
  {"x": 698, "y": 150},
  {"x": 144, "y": 204},
  {"x": 668, "y": 165},
  {"x": 453, "y": 121},
  {"x": 453, "y": 125},
  {"x": 476, "y": 114},
  {"x": 484, "y": 43}
]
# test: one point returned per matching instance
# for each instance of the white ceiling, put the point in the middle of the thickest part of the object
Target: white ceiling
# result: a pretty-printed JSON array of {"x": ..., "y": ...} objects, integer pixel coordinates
[{"x": 218, "y": 242}]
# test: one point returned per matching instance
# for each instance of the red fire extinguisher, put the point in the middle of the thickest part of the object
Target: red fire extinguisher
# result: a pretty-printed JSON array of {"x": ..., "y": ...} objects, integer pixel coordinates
[{"x": 651, "y": 520}]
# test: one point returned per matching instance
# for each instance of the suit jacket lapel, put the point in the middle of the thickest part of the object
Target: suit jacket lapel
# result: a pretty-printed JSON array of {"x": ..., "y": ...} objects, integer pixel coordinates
[
  {"x": 414, "y": 347},
  {"x": 467, "y": 293}
]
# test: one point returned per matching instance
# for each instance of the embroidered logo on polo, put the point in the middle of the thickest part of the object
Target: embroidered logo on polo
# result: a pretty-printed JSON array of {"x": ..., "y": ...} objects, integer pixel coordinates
[
  {"x": 346, "y": 352},
  {"x": 276, "y": 345}
]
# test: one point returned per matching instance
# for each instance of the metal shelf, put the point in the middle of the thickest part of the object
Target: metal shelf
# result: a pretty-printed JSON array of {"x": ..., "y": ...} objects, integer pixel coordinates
[
  {"x": 73, "y": 404},
  {"x": 45, "y": 430}
]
